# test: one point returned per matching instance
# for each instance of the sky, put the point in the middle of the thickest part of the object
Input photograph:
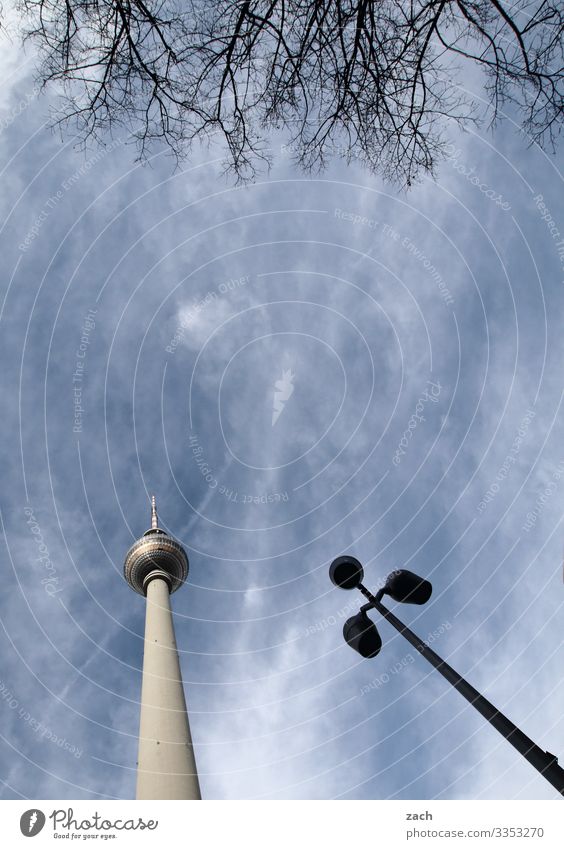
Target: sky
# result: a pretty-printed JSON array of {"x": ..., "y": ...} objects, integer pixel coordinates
[{"x": 298, "y": 368}]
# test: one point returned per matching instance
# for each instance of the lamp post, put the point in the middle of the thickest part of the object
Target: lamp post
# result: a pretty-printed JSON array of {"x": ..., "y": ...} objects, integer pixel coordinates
[{"x": 362, "y": 635}]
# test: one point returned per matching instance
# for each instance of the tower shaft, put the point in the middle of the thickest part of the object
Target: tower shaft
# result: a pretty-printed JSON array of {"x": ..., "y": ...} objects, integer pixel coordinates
[{"x": 166, "y": 764}]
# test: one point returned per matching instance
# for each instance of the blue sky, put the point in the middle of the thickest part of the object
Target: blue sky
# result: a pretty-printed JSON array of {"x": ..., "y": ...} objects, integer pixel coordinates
[{"x": 421, "y": 334}]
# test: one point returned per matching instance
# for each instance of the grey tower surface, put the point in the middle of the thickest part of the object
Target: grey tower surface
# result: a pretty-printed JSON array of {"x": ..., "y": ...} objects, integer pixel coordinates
[{"x": 156, "y": 566}]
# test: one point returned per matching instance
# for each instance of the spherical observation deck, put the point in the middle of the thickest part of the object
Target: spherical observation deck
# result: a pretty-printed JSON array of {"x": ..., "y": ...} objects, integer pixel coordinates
[{"x": 155, "y": 555}]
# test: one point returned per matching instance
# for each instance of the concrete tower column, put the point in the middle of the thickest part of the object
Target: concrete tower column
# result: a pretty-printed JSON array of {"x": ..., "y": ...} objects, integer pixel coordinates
[
  {"x": 166, "y": 765},
  {"x": 156, "y": 566}
]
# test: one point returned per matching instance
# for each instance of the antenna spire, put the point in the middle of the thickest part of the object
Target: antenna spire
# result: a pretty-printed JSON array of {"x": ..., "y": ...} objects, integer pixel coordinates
[{"x": 154, "y": 517}]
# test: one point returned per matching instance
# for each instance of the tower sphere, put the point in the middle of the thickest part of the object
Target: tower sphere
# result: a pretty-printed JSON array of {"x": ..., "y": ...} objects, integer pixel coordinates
[{"x": 155, "y": 554}]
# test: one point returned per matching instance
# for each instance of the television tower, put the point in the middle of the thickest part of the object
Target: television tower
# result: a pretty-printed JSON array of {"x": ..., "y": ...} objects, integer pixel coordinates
[{"x": 156, "y": 566}]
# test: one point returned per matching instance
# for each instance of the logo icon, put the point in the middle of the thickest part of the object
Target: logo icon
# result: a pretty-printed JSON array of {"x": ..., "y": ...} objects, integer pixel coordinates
[
  {"x": 32, "y": 822},
  {"x": 283, "y": 390}
]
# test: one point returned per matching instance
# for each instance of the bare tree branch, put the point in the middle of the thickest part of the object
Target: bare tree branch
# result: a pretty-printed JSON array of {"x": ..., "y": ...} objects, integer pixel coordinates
[{"x": 372, "y": 80}]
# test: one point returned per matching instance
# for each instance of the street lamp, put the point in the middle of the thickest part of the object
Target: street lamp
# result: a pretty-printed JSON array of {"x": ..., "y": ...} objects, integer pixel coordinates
[
  {"x": 362, "y": 635},
  {"x": 404, "y": 586}
]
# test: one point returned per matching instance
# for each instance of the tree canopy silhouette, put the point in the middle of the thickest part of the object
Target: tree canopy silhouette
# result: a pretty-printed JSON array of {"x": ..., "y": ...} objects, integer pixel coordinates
[{"x": 371, "y": 80}]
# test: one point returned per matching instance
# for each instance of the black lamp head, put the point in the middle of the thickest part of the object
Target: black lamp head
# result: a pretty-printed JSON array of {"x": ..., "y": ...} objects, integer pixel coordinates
[
  {"x": 346, "y": 572},
  {"x": 407, "y": 587},
  {"x": 361, "y": 634}
]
